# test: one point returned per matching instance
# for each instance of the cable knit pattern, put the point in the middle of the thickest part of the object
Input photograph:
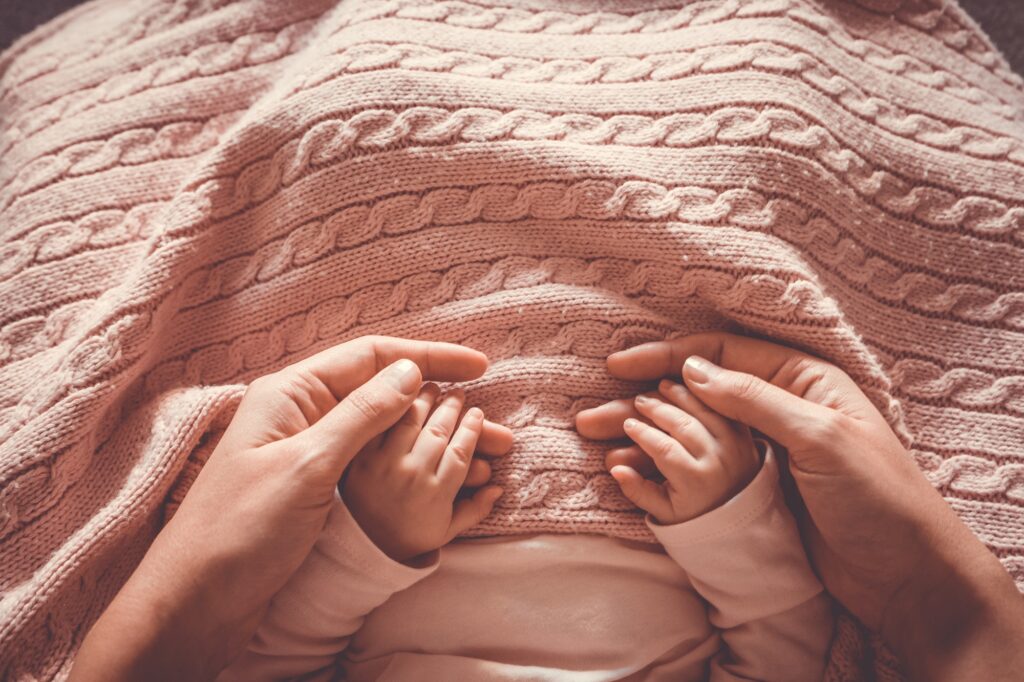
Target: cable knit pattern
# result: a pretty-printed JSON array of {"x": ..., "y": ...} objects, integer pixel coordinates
[{"x": 196, "y": 193}]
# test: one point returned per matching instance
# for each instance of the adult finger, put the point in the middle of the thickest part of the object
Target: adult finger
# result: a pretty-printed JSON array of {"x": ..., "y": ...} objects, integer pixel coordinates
[
  {"x": 659, "y": 359},
  {"x": 802, "y": 374},
  {"x": 366, "y": 412},
  {"x": 604, "y": 422},
  {"x": 344, "y": 367},
  {"x": 647, "y": 495},
  {"x": 634, "y": 458},
  {"x": 472, "y": 510},
  {"x": 750, "y": 400}
]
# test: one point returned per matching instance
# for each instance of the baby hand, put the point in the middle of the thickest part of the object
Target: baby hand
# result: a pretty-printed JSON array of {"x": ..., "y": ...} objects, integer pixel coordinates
[
  {"x": 705, "y": 458},
  {"x": 402, "y": 487}
]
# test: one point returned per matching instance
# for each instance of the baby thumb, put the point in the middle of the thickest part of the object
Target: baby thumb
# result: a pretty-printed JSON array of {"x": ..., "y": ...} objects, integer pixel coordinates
[
  {"x": 364, "y": 414},
  {"x": 750, "y": 400},
  {"x": 471, "y": 511}
]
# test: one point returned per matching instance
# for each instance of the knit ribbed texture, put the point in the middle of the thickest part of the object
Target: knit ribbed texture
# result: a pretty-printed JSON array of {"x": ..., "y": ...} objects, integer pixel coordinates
[{"x": 193, "y": 194}]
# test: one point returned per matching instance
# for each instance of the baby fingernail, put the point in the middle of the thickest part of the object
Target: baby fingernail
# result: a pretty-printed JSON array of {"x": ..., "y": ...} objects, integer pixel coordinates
[
  {"x": 404, "y": 375},
  {"x": 666, "y": 386},
  {"x": 698, "y": 370}
]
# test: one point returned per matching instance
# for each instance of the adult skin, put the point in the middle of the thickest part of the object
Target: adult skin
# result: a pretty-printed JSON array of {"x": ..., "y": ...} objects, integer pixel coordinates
[
  {"x": 258, "y": 505},
  {"x": 884, "y": 542}
]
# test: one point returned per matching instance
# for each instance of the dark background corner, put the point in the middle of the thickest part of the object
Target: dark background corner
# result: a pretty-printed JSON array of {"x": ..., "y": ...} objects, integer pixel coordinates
[{"x": 1002, "y": 19}]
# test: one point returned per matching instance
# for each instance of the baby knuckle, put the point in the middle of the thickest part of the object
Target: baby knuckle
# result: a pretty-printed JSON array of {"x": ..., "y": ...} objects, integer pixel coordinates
[
  {"x": 681, "y": 422},
  {"x": 666, "y": 448},
  {"x": 460, "y": 452},
  {"x": 438, "y": 431},
  {"x": 409, "y": 468}
]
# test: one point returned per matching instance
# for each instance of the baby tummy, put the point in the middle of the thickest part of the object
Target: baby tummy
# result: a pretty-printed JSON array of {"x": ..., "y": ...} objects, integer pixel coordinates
[{"x": 548, "y": 602}]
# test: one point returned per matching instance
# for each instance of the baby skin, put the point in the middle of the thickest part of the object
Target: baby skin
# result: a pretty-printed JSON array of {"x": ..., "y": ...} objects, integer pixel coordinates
[
  {"x": 732, "y": 596},
  {"x": 404, "y": 487},
  {"x": 704, "y": 458}
]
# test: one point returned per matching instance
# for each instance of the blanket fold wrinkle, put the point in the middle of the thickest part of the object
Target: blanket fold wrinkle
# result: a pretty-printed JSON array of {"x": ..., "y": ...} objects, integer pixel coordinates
[{"x": 196, "y": 193}]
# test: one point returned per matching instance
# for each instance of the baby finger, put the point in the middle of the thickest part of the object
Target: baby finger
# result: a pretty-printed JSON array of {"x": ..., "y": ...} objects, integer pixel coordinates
[
  {"x": 645, "y": 494},
  {"x": 431, "y": 443},
  {"x": 479, "y": 473},
  {"x": 633, "y": 457},
  {"x": 669, "y": 456},
  {"x": 471, "y": 511},
  {"x": 454, "y": 464}
]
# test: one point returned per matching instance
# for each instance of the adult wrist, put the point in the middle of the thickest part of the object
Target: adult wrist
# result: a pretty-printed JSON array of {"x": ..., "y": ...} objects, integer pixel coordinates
[
  {"x": 141, "y": 637},
  {"x": 168, "y": 622},
  {"x": 952, "y": 618}
]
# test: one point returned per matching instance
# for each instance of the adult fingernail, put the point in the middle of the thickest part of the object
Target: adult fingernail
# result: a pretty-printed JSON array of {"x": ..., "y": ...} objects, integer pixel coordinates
[
  {"x": 630, "y": 423},
  {"x": 698, "y": 370},
  {"x": 642, "y": 400},
  {"x": 404, "y": 375}
]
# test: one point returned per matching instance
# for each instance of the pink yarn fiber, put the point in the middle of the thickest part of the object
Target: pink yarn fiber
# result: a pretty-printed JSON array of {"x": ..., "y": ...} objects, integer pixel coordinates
[{"x": 193, "y": 194}]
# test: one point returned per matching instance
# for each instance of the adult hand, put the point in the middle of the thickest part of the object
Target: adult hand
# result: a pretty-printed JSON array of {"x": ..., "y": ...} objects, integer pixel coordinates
[
  {"x": 258, "y": 504},
  {"x": 884, "y": 542}
]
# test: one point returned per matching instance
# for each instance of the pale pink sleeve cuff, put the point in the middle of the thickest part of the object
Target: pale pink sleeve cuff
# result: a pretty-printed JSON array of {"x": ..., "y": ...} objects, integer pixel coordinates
[
  {"x": 344, "y": 544},
  {"x": 734, "y": 515},
  {"x": 344, "y": 577},
  {"x": 744, "y": 557},
  {"x": 310, "y": 620}
]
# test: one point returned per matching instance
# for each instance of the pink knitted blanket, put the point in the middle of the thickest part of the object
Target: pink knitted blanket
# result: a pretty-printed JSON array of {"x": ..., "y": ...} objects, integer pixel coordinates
[{"x": 195, "y": 193}]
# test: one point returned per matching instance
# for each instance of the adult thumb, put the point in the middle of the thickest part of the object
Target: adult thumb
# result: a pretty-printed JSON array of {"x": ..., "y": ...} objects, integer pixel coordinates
[
  {"x": 363, "y": 414},
  {"x": 782, "y": 416}
]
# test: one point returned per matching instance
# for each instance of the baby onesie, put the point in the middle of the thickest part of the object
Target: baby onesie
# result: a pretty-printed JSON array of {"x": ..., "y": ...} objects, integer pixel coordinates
[{"x": 731, "y": 596}]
